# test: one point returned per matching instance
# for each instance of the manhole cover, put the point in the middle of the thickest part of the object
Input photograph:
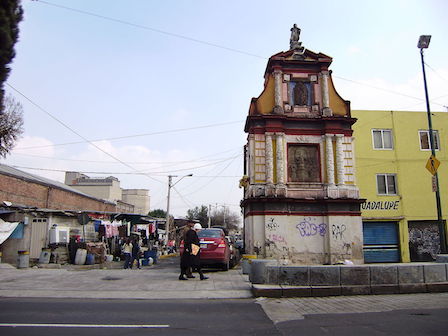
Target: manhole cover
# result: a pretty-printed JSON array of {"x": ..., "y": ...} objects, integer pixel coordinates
[{"x": 111, "y": 278}]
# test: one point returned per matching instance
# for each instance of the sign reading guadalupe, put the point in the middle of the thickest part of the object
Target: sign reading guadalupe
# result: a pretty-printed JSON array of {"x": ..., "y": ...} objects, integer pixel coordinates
[{"x": 380, "y": 205}]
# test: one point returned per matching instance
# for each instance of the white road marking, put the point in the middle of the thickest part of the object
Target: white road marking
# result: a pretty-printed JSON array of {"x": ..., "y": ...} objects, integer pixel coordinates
[{"x": 63, "y": 325}]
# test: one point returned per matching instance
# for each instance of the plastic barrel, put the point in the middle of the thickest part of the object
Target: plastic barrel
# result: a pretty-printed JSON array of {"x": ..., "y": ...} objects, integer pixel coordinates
[
  {"x": 90, "y": 259},
  {"x": 44, "y": 257},
  {"x": 80, "y": 258},
  {"x": 23, "y": 259}
]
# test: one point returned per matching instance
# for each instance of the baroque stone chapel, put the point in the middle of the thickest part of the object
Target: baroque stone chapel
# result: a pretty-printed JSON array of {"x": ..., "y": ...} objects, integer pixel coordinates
[{"x": 301, "y": 204}]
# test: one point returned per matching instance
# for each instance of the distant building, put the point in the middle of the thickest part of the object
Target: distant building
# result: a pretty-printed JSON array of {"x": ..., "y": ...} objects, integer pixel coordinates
[
  {"x": 399, "y": 215},
  {"x": 109, "y": 188},
  {"x": 137, "y": 197}
]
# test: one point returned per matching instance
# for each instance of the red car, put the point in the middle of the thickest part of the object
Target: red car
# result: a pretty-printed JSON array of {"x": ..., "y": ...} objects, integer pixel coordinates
[{"x": 215, "y": 249}]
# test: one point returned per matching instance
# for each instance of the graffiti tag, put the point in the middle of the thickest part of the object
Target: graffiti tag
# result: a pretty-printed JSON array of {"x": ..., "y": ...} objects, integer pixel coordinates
[
  {"x": 271, "y": 224},
  {"x": 307, "y": 229},
  {"x": 277, "y": 238},
  {"x": 338, "y": 231}
]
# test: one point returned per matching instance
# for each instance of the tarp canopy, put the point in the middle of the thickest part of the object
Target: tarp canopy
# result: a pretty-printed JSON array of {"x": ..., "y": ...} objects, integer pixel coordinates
[{"x": 6, "y": 229}]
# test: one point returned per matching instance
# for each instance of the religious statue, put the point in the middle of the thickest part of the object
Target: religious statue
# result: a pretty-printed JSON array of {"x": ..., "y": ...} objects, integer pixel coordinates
[
  {"x": 294, "y": 40},
  {"x": 295, "y": 35}
]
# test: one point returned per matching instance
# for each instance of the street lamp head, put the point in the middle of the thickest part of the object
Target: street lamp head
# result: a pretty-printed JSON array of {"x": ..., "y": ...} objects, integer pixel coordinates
[
  {"x": 423, "y": 41},
  {"x": 190, "y": 175}
]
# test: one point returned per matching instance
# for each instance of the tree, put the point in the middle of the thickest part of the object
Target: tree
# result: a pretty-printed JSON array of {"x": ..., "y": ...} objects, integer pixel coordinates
[
  {"x": 224, "y": 217},
  {"x": 11, "y": 125},
  {"x": 11, "y": 13},
  {"x": 199, "y": 213},
  {"x": 157, "y": 213}
]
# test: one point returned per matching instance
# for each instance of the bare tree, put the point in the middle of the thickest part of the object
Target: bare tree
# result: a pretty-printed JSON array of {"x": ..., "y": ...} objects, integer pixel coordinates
[{"x": 11, "y": 125}]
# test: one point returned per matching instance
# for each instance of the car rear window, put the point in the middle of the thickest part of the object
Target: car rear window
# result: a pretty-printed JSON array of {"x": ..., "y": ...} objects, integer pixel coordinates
[{"x": 210, "y": 233}]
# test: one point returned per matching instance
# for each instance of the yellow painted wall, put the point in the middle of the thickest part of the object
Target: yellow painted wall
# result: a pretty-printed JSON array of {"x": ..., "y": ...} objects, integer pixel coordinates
[{"x": 416, "y": 200}]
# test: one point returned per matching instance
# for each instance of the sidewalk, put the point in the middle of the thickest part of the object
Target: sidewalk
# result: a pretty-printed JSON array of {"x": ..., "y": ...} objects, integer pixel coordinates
[{"x": 152, "y": 282}]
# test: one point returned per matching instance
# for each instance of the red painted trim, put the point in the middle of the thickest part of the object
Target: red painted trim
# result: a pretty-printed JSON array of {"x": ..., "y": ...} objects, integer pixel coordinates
[{"x": 302, "y": 213}]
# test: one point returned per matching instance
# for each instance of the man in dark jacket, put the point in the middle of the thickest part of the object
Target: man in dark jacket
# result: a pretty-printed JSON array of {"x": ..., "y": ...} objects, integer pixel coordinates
[{"x": 189, "y": 258}]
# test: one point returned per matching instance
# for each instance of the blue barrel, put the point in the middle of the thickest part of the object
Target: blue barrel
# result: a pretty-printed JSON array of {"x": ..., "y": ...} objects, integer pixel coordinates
[
  {"x": 151, "y": 254},
  {"x": 90, "y": 259}
]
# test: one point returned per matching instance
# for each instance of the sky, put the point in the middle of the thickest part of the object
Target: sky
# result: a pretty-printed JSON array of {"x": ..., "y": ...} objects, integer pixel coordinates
[{"x": 144, "y": 89}]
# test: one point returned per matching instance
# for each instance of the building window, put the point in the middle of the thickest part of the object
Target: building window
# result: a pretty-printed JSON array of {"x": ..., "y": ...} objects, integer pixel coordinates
[
  {"x": 299, "y": 93},
  {"x": 386, "y": 184},
  {"x": 382, "y": 139},
  {"x": 425, "y": 144}
]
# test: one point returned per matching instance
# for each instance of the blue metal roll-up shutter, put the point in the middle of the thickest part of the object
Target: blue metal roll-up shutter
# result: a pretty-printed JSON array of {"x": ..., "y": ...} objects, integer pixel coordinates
[{"x": 381, "y": 243}]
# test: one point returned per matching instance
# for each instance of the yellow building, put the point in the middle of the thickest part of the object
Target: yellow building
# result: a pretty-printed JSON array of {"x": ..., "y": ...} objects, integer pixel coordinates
[{"x": 400, "y": 213}]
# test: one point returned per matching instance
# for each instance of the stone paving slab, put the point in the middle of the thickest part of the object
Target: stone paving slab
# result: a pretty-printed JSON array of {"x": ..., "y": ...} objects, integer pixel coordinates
[{"x": 147, "y": 283}]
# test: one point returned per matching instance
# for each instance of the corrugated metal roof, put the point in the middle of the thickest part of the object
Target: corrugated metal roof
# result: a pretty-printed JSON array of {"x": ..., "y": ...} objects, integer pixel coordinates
[{"x": 14, "y": 172}]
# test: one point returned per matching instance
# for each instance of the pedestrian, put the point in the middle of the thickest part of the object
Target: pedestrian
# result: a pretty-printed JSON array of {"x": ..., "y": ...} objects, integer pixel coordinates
[
  {"x": 127, "y": 252},
  {"x": 193, "y": 251},
  {"x": 136, "y": 252},
  {"x": 188, "y": 272}
]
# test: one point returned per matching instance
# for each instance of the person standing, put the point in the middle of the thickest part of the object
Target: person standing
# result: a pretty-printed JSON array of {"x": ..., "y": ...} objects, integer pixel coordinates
[
  {"x": 135, "y": 253},
  {"x": 127, "y": 252},
  {"x": 194, "y": 256}
]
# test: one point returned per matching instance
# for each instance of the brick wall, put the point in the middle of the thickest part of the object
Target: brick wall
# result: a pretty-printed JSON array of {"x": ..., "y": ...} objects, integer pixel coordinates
[{"x": 33, "y": 194}]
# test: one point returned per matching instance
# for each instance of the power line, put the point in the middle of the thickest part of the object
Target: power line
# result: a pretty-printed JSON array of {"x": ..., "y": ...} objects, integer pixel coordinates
[
  {"x": 152, "y": 29},
  {"x": 385, "y": 90},
  {"x": 117, "y": 173},
  {"x": 75, "y": 132},
  {"x": 137, "y": 135}
]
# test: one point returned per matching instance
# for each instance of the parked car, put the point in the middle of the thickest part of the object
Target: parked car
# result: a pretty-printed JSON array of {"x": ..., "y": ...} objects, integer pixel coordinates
[{"x": 215, "y": 248}]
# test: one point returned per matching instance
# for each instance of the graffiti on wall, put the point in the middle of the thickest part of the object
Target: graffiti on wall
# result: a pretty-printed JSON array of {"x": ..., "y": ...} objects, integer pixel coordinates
[
  {"x": 307, "y": 228},
  {"x": 271, "y": 224},
  {"x": 424, "y": 242},
  {"x": 337, "y": 231}
]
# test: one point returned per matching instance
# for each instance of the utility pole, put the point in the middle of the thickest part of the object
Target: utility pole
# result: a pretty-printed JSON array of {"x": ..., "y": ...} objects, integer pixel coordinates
[
  {"x": 170, "y": 185},
  {"x": 423, "y": 43},
  {"x": 209, "y": 215}
]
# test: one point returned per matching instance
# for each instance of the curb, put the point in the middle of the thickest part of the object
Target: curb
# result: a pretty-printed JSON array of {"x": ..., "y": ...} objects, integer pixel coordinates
[{"x": 285, "y": 291}]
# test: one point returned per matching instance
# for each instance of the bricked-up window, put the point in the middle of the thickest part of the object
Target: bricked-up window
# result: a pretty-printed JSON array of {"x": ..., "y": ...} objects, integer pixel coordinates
[
  {"x": 386, "y": 184},
  {"x": 303, "y": 163},
  {"x": 425, "y": 143},
  {"x": 382, "y": 139},
  {"x": 299, "y": 93}
]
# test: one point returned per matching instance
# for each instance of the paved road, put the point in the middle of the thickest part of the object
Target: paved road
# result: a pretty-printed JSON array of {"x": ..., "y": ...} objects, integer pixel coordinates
[{"x": 42, "y": 316}]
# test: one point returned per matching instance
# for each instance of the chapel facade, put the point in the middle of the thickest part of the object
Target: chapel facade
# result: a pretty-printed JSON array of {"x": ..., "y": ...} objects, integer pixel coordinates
[{"x": 301, "y": 203}]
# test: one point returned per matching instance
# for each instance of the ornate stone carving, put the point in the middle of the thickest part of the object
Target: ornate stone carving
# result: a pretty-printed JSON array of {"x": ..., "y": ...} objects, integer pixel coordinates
[
  {"x": 329, "y": 159},
  {"x": 303, "y": 163}
]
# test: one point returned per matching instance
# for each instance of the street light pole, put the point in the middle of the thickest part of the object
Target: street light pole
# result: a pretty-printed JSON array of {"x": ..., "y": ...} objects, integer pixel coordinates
[
  {"x": 423, "y": 43},
  {"x": 167, "y": 224}
]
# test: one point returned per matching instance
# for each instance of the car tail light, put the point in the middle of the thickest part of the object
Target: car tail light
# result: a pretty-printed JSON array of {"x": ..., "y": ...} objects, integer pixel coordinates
[{"x": 222, "y": 244}]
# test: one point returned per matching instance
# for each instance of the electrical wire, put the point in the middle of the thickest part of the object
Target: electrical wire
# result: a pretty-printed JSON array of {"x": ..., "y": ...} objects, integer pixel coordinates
[
  {"x": 75, "y": 132},
  {"x": 215, "y": 45},
  {"x": 136, "y": 135}
]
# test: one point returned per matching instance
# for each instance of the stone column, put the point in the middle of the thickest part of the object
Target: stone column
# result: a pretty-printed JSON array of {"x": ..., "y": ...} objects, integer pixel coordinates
[
  {"x": 326, "y": 110},
  {"x": 278, "y": 108},
  {"x": 340, "y": 158},
  {"x": 251, "y": 158},
  {"x": 280, "y": 156},
  {"x": 330, "y": 159},
  {"x": 269, "y": 157}
]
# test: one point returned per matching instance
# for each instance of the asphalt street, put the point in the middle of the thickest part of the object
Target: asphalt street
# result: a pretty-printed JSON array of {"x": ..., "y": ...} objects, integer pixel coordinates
[{"x": 80, "y": 301}]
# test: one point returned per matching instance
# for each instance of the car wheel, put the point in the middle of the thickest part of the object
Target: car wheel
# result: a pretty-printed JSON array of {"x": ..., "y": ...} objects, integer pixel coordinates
[{"x": 225, "y": 266}]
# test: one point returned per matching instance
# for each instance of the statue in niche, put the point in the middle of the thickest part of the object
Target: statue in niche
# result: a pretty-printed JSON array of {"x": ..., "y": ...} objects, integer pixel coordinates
[
  {"x": 303, "y": 163},
  {"x": 300, "y": 94}
]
